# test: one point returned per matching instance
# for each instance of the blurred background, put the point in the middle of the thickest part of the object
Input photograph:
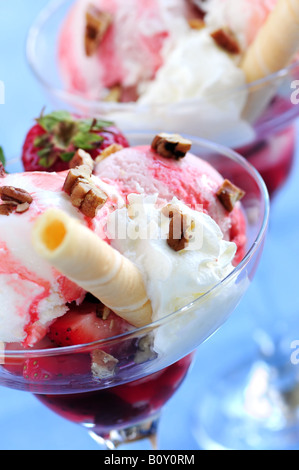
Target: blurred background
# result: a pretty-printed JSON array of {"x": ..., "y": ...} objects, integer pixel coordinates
[{"x": 270, "y": 306}]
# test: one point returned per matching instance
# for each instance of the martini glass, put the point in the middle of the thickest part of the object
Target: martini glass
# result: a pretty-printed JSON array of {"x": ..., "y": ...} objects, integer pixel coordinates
[
  {"x": 150, "y": 363},
  {"x": 267, "y": 138}
]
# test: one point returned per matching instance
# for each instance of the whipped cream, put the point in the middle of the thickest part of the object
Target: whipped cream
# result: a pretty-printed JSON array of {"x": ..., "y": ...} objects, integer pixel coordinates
[
  {"x": 173, "y": 279},
  {"x": 195, "y": 68}
]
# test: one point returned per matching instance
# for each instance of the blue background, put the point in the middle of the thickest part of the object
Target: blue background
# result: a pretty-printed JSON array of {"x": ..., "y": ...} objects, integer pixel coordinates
[{"x": 271, "y": 302}]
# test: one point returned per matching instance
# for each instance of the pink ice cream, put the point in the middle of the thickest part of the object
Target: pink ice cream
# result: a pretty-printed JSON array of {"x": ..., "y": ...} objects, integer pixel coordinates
[
  {"x": 191, "y": 180},
  {"x": 129, "y": 53},
  {"x": 32, "y": 294},
  {"x": 145, "y": 42}
]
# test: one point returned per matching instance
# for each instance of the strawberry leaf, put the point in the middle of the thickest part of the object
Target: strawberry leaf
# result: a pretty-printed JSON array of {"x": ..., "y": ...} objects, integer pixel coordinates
[
  {"x": 64, "y": 134},
  {"x": 86, "y": 141},
  {"x": 47, "y": 157},
  {"x": 41, "y": 141},
  {"x": 50, "y": 121},
  {"x": 67, "y": 156},
  {"x": 47, "y": 162}
]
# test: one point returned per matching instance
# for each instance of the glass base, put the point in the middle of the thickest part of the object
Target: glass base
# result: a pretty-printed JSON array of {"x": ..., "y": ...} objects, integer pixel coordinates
[
  {"x": 255, "y": 406},
  {"x": 146, "y": 430}
]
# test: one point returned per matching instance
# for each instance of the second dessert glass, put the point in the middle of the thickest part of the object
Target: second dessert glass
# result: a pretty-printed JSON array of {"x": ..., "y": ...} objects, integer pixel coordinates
[
  {"x": 267, "y": 140},
  {"x": 153, "y": 361}
]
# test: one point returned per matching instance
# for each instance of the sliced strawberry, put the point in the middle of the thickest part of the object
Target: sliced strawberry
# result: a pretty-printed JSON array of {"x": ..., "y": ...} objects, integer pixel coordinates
[
  {"x": 86, "y": 323},
  {"x": 52, "y": 142},
  {"x": 56, "y": 368}
]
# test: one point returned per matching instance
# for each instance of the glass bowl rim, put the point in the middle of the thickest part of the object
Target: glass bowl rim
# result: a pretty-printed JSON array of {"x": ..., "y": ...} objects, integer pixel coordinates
[
  {"x": 227, "y": 153},
  {"x": 72, "y": 98}
]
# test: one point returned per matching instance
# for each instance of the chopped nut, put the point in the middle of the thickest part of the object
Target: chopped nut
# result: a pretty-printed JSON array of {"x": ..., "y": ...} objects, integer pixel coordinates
[
  {"x": 179, "y": 230},
  {"x": 103, "y": 365},
  {"x": 108, "y": 151},
  {"x": 145, "y": 351},
  {"x": 82, "y": 158},
  {"x": 84, "y": 194},
  {"x": 21, "y": 208},
  {"x": 15, "y": 200},
  {"x": 196, "y": 23},
  {"x": 72, "y": 178},
  {"x": 93, "y": 201},
  {"x": 114, "y": 94},
  {"x": 226, "y": 39},
  {"x": 103, "y": 312},
  {"x": 7, "y": 209},
  {"x": 97, "y": 24},
  {"x": 170, "y": 210},
  {"x": 11, "y": 194},
  {"x": 171, "y": 146},
  {"x": 229, "y": 195},
  {"x": 79, "y": 192}
]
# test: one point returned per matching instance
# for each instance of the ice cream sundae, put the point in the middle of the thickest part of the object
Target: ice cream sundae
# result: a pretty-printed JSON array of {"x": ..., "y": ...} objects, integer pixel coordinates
[
  {"x": 117, "y": 266},
  {"x": 168, "y": 52},
  {"x": 129, "y": 210}
]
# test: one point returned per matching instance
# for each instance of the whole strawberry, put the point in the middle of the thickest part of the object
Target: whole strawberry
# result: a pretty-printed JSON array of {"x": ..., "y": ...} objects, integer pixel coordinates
[{"x": 51, "y": 144}]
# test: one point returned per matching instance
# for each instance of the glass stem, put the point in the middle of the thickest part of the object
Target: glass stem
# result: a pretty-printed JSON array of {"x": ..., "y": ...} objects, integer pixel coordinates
[{"x": 121, "y": 437}]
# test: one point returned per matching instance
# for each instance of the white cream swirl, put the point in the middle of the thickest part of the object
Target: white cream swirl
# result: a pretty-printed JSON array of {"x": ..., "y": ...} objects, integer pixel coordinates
[{"x": 173, "y": 279}]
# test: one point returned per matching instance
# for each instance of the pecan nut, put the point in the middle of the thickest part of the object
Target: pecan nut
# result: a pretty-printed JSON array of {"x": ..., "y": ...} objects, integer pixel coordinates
[
  {"x": 84, "y": 194},
  {"x": 97, "y": 24},
  {"x": 93, "y": 201},
  {"x": 113, "y": 148},
  {"x": 82, "y": 158},
  {"x": 14, "y": 200},
  {"x": 229, "y": 194},
  {"x": 227, "y": 40},
  {"x": 171, "y": 146},
  {"x": 103, "y": 365},
  {"x": 179, "y": 230},
  {"x": 17, "y": 195},
  {"x": 72, "y": 177},
  {"x": 196, "y": 23},
  {"x": 7, "y": 209}
]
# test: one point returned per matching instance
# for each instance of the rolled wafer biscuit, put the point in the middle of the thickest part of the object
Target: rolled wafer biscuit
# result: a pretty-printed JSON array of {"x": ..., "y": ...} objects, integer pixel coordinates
[
  {"x": 81, "y": 256},
  {"x": 276, "y": 43}
]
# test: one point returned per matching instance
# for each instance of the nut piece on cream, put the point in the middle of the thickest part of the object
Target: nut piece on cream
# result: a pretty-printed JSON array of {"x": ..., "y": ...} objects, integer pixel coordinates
[
  {"x": 226, "y": 40},
  {"x": 14, "y": 200}
]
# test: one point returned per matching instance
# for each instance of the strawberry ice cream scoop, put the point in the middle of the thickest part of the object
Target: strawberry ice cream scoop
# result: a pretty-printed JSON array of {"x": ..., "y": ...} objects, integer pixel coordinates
[
  {"x": 106, "y": 44},
  {"x": 191, "y": 180},
  {"x": 130, "y": 49},
  {"x": 32, "y": 293}
]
